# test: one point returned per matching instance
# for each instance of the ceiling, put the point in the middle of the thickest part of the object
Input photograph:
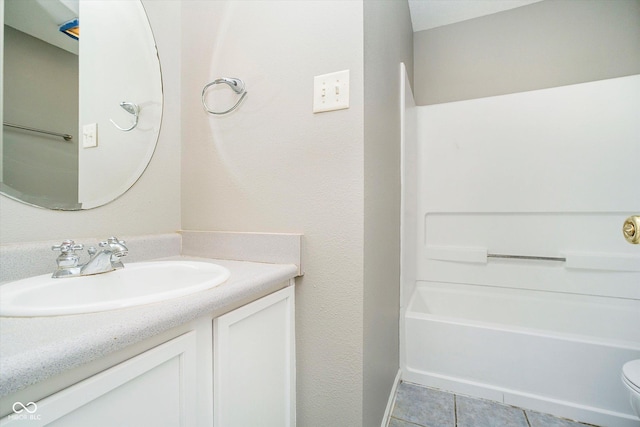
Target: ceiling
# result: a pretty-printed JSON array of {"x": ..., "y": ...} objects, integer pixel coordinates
[
  {"x": 427, "y": 14},
  {"x": 41, "y": 19}
]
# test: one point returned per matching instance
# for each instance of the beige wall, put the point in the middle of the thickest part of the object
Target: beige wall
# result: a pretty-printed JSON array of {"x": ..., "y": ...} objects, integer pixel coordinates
[
  {"x": 388, "y": 41},
  {"x": 153, "y": 204},
  {"x": 546, "y": 44},
  {"x": 274, "y": 166}
]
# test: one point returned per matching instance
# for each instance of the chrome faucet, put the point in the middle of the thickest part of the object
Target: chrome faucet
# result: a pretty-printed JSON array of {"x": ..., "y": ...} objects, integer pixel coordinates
[{"x": 108, "y": 259}]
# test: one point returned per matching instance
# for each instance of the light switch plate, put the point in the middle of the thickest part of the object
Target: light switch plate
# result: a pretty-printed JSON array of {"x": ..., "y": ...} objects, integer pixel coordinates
[
  {"x": 331, "y": 91},
  {"x": 90, "y": 135}
]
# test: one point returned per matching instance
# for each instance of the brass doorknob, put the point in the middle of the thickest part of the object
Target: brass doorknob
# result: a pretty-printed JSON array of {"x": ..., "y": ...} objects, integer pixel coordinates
[{"x": 631, "y": 229}]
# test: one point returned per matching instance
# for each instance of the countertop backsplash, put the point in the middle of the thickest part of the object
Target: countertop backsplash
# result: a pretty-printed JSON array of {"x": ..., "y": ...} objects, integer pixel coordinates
[{"x": 22, "y": 260}]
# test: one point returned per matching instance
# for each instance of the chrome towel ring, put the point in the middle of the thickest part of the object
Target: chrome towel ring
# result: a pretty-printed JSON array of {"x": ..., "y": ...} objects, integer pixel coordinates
[
  {"x": 131, "y": 108},
  {"x": 236, "y": 84}
]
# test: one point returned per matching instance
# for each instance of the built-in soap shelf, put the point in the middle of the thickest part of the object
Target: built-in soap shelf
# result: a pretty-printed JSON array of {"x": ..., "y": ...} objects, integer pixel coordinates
[{"x": 569, "y": 259}]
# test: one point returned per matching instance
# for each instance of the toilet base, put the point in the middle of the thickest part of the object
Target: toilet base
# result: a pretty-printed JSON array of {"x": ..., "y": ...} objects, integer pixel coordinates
[{"x": 634, "y": 398}]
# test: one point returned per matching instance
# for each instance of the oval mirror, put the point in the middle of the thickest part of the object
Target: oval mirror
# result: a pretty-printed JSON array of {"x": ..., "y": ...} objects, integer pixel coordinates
[{"x": 81, "y": 110}]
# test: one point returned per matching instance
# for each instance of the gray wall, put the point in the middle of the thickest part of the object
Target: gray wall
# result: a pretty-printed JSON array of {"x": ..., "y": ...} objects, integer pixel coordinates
[
  {"x": 40, "y": 91},
  {"x": 388, "y": 41},
  {"x": 546, "y": 44}
]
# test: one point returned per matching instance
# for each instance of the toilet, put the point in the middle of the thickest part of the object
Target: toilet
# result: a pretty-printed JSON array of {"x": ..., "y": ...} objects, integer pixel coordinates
[{"x": 631, "y": 379}]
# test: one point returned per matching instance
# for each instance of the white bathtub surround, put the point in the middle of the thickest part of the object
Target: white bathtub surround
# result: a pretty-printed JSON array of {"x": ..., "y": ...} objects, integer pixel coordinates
[
  {"x": 531, "y": 176},
  {"x": 276, "y": 248}
]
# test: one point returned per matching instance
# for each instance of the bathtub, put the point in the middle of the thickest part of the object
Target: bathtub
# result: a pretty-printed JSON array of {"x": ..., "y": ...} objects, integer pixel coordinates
[{"x": 551, "y": 352}]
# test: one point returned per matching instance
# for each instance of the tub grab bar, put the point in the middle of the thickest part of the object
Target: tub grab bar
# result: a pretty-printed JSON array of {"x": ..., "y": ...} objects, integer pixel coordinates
[
  {"x": 571, "y": 259},
  {"x": 528, "y": 257}
]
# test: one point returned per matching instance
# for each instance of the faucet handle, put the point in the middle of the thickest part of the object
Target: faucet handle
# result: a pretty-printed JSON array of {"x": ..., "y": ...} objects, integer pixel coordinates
[
  {"x": 111, "y": 241},
  {"x": 67, "y": 247},
  {"x": 68, "y": 260}
]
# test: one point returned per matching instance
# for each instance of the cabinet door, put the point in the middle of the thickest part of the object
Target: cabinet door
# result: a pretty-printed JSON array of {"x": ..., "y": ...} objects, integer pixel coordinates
[
  {"x": 155, "y": 388},
  {"x": 254, "y": 364}
]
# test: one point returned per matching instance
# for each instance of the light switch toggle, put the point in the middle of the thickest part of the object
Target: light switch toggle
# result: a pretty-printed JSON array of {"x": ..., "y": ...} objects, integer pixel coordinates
[{"x": 331, "y": 91}]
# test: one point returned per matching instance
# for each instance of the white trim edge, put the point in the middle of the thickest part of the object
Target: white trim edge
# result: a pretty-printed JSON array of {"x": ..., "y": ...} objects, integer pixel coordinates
[{"x": 392, "y": 399}]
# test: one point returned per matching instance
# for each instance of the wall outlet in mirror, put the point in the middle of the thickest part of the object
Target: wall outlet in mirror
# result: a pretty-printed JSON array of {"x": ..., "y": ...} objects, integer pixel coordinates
[{"x": 90, "y": 135}]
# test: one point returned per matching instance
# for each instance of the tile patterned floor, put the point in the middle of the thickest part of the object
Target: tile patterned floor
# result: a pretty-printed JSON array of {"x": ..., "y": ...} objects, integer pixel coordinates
[{"x": 418, "y": 406}]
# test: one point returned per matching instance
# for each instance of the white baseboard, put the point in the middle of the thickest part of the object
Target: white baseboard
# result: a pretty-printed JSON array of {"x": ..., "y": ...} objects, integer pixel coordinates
[{"x": 392, "y": 399}]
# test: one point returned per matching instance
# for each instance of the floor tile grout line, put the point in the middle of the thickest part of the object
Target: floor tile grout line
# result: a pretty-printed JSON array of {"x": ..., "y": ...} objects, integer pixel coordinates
[
  {"x": 526, "y": 417},
  {"x": 406, "y": 421}
]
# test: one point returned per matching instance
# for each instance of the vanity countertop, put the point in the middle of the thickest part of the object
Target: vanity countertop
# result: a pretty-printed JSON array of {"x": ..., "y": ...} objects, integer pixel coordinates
[{"x": 33, "y": 349}]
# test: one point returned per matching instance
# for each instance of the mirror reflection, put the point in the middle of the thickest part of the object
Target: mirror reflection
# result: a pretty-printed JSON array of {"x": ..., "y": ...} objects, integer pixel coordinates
[{"x": 81, "y": 109}]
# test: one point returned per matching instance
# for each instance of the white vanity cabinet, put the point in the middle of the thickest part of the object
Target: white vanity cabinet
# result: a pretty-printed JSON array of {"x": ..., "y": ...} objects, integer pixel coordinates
[
  {"x": 155, "y": 388},
  {"x": 254, "y": 364},
  {"x": 234, "y": 370}
]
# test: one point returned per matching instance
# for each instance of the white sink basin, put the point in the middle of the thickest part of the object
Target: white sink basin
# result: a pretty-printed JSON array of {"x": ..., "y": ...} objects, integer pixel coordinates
[{"x": 135, "y": 284}]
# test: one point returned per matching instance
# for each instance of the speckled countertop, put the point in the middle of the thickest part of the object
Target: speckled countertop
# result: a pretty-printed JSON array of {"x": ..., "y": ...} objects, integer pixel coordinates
[{"x": 37, "y": 348}]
